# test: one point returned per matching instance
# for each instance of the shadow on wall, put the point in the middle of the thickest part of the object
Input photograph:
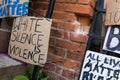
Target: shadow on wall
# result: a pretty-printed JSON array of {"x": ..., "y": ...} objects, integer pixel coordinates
[{"x": 5, "y": 31}]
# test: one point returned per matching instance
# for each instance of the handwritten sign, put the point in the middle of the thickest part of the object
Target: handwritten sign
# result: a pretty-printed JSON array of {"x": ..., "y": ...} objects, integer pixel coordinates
[
  {"x": 97, "y": 66},
  {"x": 113, "y": 12},
  {"x": 10, "y": 8},
  {"x": 112, "y": 39},
  {"x": 29, "y": 40}
]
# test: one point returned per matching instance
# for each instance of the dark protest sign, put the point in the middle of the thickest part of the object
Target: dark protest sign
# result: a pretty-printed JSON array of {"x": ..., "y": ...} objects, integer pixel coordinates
[
  {"x": 11, "y": 8},
  {"x": 112, "y": 40},
  {"x": 97, "y": 66},
  {"x": 113, "y": 12},
  {"x": 29, "y": 40}
]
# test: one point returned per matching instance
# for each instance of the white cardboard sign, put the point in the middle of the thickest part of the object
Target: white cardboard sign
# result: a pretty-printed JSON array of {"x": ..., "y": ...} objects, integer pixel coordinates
[
  {"x": 29, "y": 40},
  {"x": 97, "y": 66},
  {"x": 112, "y": 12},
  {"x": 112, "y": 40}
]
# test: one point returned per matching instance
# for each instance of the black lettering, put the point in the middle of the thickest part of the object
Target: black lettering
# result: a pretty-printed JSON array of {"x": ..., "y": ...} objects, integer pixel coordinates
[
  {"x": 38, "y": 25},
  {"x": 13, "y": 36},
  {"x": 100, "y": 78},
  {"x": 110, "y": 37},
  {"x": 106, "y": 60},
  {"x": 116, "y": 74},
  {"x": 14, "y": 49},
  {"x": 39, "y": 40},
  {"x": 109, "y": 78},
  {"x": 85, "y": 76},
  {"x": 102, "y": 68},
  {"x": 96, "y": 68},
  {"x": 88, "y": 65},
  {"x": 32, "y": 19},
  {"x": 41, "y": 58},
  {"x": 30, "y": 55},
  {"x": 25, "y": 53},
  {"x": 23, "y": 24},
  {"x": 109, "y": 71},
  {"x": 116, "y": 16}
]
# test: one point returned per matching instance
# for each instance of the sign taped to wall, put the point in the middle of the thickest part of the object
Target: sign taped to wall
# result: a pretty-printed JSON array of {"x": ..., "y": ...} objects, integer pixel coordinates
[
  {"x": 12, "y": 8},
  {"x": 29, "y": 40},
  {"x": 113, "y": 12},
  {"x": 97, "y": 66},
  {"x": 112, "y": 40}
]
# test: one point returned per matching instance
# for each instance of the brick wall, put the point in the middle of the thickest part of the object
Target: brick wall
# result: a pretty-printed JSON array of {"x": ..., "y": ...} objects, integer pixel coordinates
[{"x": 71, "y": 23}]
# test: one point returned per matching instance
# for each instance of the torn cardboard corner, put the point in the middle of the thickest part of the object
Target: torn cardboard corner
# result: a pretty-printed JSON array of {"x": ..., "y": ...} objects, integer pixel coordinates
[{"x": 112, "y": 12}]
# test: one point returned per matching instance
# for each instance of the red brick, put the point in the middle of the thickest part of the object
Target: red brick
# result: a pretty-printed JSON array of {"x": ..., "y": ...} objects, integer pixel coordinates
[
  {"x": 93, "y": 3},
  {"x": 49, "y": 57},
  {"x": 74, "y": 55},
  {"x": 65, "y": 62},
  {"x": 69, "y": 74},
  {"x": 52, "y": 41},
  {"x": 50, "y": 67},
  {"x": 78, "y": 8},
  {"x": 60, "y": 52},
  {"x": 78, "y": 37},
  {"x": 58, "y": 69},
  {"x": 54, "y": 23},
  {"x": 38, "y": 13},
  {"x": 88, "y": 2},
  {"x": 57, "y": 60},
  {"x": 66, "y": 1},
  {"x": 57, "y": 51},
  {"x": 58, "y": 7},
  {"x": 70, "y": 45},
  {"x": 84, "y": 1},
  {"x": 40, "y": 5},
  {"x": 65, "y": 16},
  {"x": 56, "y": 33},
  {"x": 66, "y": 35},
  {"x": 82, "y": 30},
  {"x": 71, "y": 64},
  {"x": 51, "y": 49},
  {"x": 66, "y": 26},
  {"x": 84, "y": 20}
]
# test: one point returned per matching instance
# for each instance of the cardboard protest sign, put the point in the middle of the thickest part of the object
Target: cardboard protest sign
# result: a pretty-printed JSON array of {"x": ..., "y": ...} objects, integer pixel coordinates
[
  {"x": 113, "y": 12},
  {"x": 97, "y": 66},
  {"x": 112, "y": 40},
  {"x": 29, "y": 40},
  {"x": 11, "y": 8}
]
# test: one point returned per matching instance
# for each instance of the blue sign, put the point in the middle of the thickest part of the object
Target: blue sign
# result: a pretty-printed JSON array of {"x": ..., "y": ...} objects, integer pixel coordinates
[{"x": 12, "y": 8}]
